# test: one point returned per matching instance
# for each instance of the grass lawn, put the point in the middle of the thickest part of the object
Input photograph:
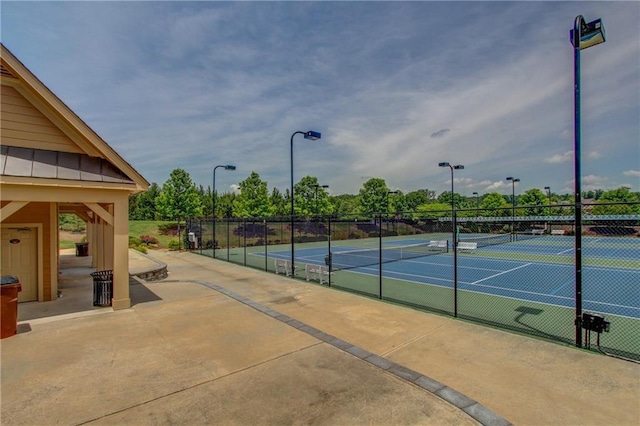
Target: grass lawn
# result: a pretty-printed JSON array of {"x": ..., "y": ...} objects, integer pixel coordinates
[
  {"x": 152, "y": 228},
  {"x": 136, "y": 229}
]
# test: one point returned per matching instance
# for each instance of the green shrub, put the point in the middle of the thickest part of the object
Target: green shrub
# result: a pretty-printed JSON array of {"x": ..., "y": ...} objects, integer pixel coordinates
[
  {"x": 141, "y": 248},
  {"x": 174, "y": 245},
  {"x": 134, "y": 241}
]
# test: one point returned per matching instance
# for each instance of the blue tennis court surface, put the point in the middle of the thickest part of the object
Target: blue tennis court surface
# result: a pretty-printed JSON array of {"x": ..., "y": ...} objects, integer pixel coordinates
[{"x": 605, "y": 289}]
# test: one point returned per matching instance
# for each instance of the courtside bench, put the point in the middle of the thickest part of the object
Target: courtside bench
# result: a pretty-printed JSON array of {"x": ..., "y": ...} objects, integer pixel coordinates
[
  {"x": 438, "y": 245},
  {"x": 316, "y": 272},
  {"x": 283, "y": 266},
  {"x": 466, "y": 246},
  {"x": 557, "y": 232}
]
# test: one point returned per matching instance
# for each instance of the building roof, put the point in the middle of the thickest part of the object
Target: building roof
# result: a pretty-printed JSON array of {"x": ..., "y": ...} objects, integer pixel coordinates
[
  {"x": 93, "y": 160},
  {"x": 40, "y": 163}
]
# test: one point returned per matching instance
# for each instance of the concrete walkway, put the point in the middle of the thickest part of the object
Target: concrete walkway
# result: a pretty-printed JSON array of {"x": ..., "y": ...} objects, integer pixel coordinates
[{"x": 219, "y": 343}]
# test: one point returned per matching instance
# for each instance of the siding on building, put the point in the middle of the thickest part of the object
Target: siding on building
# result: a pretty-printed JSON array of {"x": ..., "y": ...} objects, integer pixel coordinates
[
  {"x": 22, "y": 125},
  {"x": 39, "y": 213}
]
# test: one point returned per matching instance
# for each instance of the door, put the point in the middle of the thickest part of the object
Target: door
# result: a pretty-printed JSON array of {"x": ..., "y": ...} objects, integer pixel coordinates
[{"x": 20, "y": 258}]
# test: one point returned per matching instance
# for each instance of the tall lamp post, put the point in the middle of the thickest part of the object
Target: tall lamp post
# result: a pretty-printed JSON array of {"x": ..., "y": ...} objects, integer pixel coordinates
[
  {"x": 477, "y": 201},
  {"x": 513, "y": 202},
  {"x": 315, "y": 198},
  {"x": 386, "y": 206},
  {"x": 213, "y": 202},
  {"x": 548, "y": 189},
  {"x": 387, "y": 199},
  {"x": 314, "y": 136},
  {"x": 454, "y": 237},
  {"x": 582, "y": 36}
]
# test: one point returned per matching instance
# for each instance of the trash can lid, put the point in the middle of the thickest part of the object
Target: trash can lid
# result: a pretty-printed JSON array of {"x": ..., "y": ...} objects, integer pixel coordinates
[{"x": 9, "y": 279}]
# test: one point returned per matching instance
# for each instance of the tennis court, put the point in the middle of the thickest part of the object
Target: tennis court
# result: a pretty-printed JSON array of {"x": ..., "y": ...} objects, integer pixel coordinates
[
  {"x": 493, "y": 270},
  {"x": 525, "y": 285}
]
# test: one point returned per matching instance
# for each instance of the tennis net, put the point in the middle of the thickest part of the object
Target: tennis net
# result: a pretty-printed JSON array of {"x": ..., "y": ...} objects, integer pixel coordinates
[
  {"x": 487, "y": 240},
  {"x": 528, "y": 235},
  {"x": 350, "y": 259}
]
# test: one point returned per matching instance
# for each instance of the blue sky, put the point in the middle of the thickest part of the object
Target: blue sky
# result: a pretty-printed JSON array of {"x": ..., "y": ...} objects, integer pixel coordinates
[{"x": 394, "y": 87}]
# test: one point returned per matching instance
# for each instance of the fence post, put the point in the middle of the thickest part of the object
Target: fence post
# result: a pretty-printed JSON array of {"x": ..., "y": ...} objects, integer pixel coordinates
[
  {"x": 244, "y": 241},
  {"x": 454, "y": 234},
  {"x": 329, "y": 246},
  {"x": 266, "y": 245},
  {"x": 380, "y": 257}
]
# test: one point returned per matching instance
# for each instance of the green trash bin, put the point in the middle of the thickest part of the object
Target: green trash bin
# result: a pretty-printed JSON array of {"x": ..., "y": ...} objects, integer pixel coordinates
[{"x": 102, "y": 288}]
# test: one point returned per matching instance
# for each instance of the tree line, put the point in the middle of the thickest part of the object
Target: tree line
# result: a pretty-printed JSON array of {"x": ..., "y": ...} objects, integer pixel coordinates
[{"x": 179, "y": 198}]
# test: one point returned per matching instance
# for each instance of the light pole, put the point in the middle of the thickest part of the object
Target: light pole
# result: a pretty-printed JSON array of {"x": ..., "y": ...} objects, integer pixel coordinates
[
  {"x": 548, "y": 189},
  {"x": 582, "y": 36},
  {"x": 311, "y": 135},
  {"x": 454, "y": 237},
  {"x": 315, "y": 188},
  {"x": 548, "y": 224},
  {"x": 477, "y": 201},
  {"x": 513, "y": 202},
  {"x": 386, "y": 206},
  {"x": 213, "y": 202}
]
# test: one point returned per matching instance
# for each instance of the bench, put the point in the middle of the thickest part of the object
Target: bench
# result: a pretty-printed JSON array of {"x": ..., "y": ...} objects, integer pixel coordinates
[
  {"x": 283, "y": 266},
  {"x": 467, "y": 246},
  {"x": 437, "y": 244},
  {"x": 316, "y": 272},
  {"x": 557, "y": 232},
  {"x": 537, "y": 231}
]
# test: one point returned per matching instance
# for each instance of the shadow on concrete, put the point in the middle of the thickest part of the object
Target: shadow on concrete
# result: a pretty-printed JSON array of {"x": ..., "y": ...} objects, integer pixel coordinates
[
  {"x": 140, "y": 293},
  {"x": 75, "y": 291}
]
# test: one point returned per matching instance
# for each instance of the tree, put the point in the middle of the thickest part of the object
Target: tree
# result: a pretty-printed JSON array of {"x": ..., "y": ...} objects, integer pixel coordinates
[
  {"x": 534, "y": 197},
  {"x": 224, "y": 204},
  {"x": 279, "y": 202},
  {"x": 143, "y": 206},
  {"x": 433, "y": 210},
  {"x": 398, "y": 202},
  {"x": 206, "y": 199},
  {"x": 374, "y": 196},
  {"x": 253, "y": 200},
  {"x": 496, "y": 204},
  {"x": 178, "y": 198},
  {"x": 620, "y": 195},
  {"x": 306, "y": 202},
  {"x": 345, "y": 204},
  {"x": 416, "y": 198},
  {"x": 445, "y": 198}
]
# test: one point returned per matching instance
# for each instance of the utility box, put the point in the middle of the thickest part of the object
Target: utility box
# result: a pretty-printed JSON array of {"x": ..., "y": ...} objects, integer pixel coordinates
[
  {"x": 594, "y": 322},
  {"x": 193, "y": 240}
]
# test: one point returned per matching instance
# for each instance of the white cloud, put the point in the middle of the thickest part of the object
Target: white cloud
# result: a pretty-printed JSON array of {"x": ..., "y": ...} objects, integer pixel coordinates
[
  {"x": 188, "y": 85},
  {"x": 594, "y": 155},
  {"x": 496, "y": 186},
  {"x": 560, "y": 158},
  {"x": 234, "y": 189},
  {"x": 635, "y": 173},
  {"x": 592, "y": 182}
]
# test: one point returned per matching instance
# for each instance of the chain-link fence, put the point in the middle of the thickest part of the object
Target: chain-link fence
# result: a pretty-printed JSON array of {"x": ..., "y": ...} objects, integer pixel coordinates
[{"x": 522, "y": 269}]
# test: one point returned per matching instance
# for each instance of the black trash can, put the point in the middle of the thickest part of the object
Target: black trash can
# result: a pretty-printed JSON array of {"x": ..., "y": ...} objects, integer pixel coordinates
[
  {"x": 102, "y": 288},
  {"x": 82, "y": 249}
]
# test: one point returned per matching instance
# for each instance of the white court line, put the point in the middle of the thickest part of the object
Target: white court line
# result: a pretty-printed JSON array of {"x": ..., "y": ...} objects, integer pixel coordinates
[
  {"x": 564, "y": 251},
  {"x": 503, "y": 272}
]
